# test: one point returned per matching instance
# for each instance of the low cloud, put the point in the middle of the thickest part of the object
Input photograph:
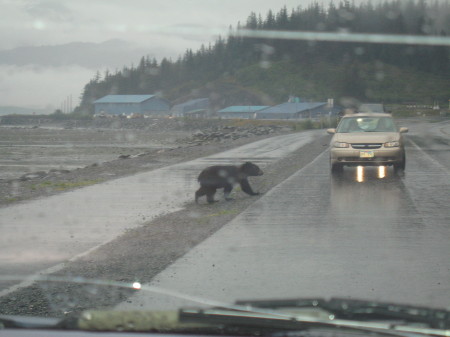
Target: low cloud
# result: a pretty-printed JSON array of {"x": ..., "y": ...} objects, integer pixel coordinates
[
  {"x": 48, "y": 9},
  {"x": 42, "y": 87}
]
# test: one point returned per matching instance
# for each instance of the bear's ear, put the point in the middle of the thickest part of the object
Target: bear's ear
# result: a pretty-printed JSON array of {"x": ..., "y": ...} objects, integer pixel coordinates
[{"x": 247, "y": 165}]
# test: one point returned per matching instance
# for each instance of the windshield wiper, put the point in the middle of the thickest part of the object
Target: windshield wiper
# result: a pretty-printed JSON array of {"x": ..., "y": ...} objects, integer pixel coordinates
[
  {"x": 362, "y": 310},
  {"x": 367, "y": 316},
  {"x": 264, "y": 317},
  {"x": 27, "y": 322}
]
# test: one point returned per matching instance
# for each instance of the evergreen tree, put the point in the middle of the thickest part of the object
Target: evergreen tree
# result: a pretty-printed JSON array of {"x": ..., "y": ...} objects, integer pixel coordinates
[{"x": 227, "y": 56}]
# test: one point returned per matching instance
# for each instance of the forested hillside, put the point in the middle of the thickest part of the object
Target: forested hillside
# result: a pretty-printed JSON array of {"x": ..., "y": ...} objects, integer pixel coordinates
[{"x": 243, "y": 70}]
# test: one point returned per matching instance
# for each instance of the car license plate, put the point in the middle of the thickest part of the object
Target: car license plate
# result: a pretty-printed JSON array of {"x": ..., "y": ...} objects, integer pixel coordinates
[{"x": 366, "y": 154}]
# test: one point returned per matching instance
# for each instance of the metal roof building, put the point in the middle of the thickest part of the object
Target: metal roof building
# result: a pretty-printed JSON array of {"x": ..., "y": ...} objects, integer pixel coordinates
[
  {"x": 240, "y": 111},
  {"x": 129, "y": 104},
  {"x": 297, "y": 110},
  {"x": 193, "y": 106}
]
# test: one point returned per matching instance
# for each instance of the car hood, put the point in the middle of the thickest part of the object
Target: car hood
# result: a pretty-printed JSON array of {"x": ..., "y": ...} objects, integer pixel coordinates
[{"x": 367, "y": 137}]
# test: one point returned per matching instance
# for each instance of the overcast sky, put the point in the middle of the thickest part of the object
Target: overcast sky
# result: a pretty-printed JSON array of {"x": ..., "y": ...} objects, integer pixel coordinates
[
  {"x": 163, "y": 27},
  {"x": 147, "y": 22}
]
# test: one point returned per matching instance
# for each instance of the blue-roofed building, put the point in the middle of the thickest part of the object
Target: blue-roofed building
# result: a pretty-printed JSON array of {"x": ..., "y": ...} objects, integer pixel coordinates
[
  {"x": 297, "y": 110},
  {"x": 196, "y": 107},
  {"x": 132, "y": 104},
  {"x": 240, "y": 111}
]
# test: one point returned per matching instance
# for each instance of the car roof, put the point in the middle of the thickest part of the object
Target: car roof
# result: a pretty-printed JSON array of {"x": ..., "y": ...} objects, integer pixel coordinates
[{"x": 368, "y": 114}]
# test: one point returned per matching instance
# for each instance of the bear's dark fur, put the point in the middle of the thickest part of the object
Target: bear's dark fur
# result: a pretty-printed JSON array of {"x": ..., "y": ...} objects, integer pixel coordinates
[{"x": 220, "y": 176}]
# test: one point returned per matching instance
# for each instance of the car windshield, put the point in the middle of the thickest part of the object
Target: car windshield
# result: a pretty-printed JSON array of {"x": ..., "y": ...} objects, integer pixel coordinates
[
  {"x": 157, "y": 155},
  {"x": 366, "y": 124}
]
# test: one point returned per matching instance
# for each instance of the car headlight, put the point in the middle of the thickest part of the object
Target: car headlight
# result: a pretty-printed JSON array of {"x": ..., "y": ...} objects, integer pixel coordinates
[
  {"x": 340, "y": 144},
  {"x": 392, "y": 144}
]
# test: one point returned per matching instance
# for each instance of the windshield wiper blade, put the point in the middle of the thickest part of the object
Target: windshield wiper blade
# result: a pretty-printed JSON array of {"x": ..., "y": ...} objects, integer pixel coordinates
[
  {"x": 274, "y": 321},
  {"x": 27, "y": 322},
  {"x": 362, "y": 310}
]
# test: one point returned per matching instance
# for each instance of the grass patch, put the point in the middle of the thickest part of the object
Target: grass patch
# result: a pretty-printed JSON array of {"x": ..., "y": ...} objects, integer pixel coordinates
[
  {"x": 296, "y": 125},
  {"x": 11, "y": 199},
  {"x": 224, "y": 212},
  {"x": 304, "y": 125},
  {"x": 63, "y": 186},
  {"x": 309, "y": 124},
  {"x": 404, "y": 111},
  {"x": 257, "y": 122},
  {"x": 206, "y": 218}
]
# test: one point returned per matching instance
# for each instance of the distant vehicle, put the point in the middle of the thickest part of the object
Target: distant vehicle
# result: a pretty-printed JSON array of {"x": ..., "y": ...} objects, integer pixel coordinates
[
  {"x": 367, "y": 139},
  {"x": 135, "y": 115},
  {"x": 101, "y": 115},
  {"x": 372, "y": 108}
]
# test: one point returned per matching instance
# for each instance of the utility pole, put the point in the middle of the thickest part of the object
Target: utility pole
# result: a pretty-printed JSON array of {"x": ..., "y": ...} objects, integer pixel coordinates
[{"x": 66, "y": 104}]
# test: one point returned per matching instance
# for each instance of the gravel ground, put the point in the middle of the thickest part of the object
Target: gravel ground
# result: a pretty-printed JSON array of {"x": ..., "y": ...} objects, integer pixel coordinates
[{"x": 141, "y": 253}]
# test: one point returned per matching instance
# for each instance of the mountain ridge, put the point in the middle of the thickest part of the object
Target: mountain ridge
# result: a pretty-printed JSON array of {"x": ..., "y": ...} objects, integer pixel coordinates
[{"x": 110, "y": 53}]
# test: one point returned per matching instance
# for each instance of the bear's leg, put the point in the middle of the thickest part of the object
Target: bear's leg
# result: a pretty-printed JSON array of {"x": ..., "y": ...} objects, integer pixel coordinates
[
  {"x": 245, "y": 186},
  {"x": 200, "y": 192},
  {"x": 210, "y": 194},
  {"x": 226, "y": 191}
]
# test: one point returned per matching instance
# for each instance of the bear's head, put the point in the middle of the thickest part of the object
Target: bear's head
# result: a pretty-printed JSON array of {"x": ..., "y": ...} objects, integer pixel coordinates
[{"x": 251, "y": 169}]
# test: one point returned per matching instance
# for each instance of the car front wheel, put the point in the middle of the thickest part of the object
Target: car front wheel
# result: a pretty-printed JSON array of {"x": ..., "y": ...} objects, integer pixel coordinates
[
  {"x": 336, "y": 168},
  {"x": 400, "y": 166}
]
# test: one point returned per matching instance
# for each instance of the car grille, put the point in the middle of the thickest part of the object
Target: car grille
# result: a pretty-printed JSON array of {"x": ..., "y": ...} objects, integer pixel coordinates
[
  {"x": 360, "y": 160},
  {"x": 366, "y": 146}
]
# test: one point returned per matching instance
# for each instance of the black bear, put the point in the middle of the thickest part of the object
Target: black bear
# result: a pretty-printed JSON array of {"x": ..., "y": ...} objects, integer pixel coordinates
[{"x": 219, "y": 176}]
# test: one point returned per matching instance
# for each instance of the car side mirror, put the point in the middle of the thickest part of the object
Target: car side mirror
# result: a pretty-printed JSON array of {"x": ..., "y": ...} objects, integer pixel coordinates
[
  {"x": 331, "y": 131},
  {"x": 403, "y": 130}
]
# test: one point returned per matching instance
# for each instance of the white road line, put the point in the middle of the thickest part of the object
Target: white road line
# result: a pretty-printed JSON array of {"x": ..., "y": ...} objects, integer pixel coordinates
[
  {"x": 31, "y": 279},
  {"x": 431, "y": 159}
]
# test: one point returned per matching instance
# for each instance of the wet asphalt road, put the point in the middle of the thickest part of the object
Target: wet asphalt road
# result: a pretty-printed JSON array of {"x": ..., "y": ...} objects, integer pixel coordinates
[
  {"x": 39, "y": 236},
  {"x": 382, "y": 238},
  {"x": 312, "y": 235}
]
